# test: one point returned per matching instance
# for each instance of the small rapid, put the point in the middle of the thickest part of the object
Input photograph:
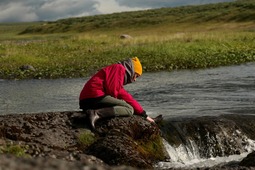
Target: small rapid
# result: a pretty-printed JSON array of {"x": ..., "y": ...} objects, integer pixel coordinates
[
  {"x": 188, "y": 158},
  {"x": 204, "y": 142},
  {"x": 184, "y": 158}
]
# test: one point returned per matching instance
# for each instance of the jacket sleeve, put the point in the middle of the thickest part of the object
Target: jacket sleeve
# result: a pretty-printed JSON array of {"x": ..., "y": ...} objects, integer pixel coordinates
[{"x": 124, "y": 95}]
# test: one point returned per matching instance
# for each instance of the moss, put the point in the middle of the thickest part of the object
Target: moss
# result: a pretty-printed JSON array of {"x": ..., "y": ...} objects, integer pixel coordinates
[
  {"x": 86, "y": 138},
  {"x": 16, "y": 150},
  {"x": 152, "y": 149}
]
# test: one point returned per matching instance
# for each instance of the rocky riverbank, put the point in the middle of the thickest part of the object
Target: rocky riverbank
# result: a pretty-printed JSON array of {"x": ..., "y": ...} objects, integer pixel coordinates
[{"x": 63, "y": 140}]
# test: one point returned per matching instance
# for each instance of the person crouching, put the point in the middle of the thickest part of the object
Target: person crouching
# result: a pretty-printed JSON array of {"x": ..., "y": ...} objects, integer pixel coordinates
[{"x": 104, "y": 96}]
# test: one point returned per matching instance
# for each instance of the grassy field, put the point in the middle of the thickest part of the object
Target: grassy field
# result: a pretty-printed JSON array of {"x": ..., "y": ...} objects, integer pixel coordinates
[{"x": 189, "y": 37}]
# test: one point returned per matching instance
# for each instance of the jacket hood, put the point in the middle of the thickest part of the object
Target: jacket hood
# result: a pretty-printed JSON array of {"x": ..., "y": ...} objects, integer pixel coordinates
[{"x": 130, "y": 72}]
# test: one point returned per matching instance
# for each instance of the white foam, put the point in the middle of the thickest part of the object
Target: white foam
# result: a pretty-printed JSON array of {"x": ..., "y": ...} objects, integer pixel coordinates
[{"x": 184, "y": 158}]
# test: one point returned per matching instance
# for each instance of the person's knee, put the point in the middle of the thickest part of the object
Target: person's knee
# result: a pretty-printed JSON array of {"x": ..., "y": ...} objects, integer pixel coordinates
[
  {"x": 130, "y": 111},
  {"x": 123, "y": 111}
]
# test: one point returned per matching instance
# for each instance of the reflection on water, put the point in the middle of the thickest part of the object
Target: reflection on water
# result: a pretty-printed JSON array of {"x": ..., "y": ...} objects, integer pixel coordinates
[{"x": 200, "y": 92}]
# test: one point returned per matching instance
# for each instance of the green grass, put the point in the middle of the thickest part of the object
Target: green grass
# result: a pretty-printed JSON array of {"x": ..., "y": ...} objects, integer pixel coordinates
[
  {"x": 14, "y": 150},
  {"x": 190, "y": 37},
  {"x": 240, "y": 11}
]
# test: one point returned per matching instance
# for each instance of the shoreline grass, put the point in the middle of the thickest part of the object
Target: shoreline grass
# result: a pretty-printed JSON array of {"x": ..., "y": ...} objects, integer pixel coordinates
[{"x": 81, "y": 55}]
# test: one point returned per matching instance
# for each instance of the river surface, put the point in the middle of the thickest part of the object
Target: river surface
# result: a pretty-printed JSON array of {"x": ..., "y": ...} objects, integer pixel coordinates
[
  {"x": 204, "y": 92},
  {"x": 221, "y": 90}
]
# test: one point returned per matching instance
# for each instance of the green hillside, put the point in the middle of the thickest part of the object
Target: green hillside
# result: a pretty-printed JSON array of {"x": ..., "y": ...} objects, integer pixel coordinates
[
  {"x": 239, "y": 11},
  {"x": 166, "y": 39}
]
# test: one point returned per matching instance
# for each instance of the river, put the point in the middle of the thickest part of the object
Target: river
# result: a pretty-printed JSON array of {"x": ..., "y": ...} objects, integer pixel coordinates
[{"x": 221, "y": 90}]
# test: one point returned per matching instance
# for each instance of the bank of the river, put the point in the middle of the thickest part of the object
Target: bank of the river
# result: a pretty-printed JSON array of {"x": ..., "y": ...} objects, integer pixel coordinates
[
  {"x": 81, "y": 56},
  {"x": 62, "y": 140},
  {"x": 66, "y": 137}
]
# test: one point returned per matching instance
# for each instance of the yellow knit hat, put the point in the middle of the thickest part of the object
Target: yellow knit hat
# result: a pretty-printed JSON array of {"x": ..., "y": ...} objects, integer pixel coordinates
[{"x": 137, "y": 66}]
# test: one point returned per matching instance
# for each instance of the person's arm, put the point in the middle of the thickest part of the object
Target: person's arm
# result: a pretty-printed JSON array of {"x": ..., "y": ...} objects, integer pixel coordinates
[
  {"x": 138, "y": 110},
  {"x": 124, "y": 95},
  {"x": 147, "y": 117},
  {"x": 150, "y": 119}
]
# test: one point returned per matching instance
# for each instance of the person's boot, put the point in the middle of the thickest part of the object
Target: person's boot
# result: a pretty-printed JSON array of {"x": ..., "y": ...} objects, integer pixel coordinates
[{"x": 95, "y": 115}]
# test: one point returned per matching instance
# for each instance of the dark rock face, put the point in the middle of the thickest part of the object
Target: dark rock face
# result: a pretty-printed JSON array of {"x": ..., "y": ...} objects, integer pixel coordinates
[
  {"x": 249, "y": 161},
  {"x": 52, "y": 140},
  {"x": 43, "y": 132},
  {"x": 55, "y": 136}
]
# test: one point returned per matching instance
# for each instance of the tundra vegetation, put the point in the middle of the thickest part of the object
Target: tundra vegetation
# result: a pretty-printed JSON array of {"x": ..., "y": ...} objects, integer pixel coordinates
[
  {"x": 165, "y": 39},
  {"x": 13, "y": 149}
]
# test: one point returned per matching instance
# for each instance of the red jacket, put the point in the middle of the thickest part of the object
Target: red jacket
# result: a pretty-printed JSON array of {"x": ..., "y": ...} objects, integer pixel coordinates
[{"x": 110, "y": 81}]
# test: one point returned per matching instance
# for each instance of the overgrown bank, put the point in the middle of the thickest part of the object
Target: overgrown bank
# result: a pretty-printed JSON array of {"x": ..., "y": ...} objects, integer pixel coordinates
[{"x": 68, "y": 58}]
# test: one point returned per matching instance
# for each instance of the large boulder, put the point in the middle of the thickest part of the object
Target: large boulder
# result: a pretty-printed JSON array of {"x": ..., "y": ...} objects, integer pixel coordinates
[{"x": 128, "y": 141}]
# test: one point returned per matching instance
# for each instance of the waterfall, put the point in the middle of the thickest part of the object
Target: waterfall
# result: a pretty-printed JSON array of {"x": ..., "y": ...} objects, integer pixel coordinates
[
  {"x": 182, "y": 153},
  {"x": 207, "y": 141},
  {"x": 188, "y": 157}
]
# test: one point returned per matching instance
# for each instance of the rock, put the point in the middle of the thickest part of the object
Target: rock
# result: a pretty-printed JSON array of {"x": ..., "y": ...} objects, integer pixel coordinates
[
  {"x": 10, "y": 162},
  {"x": 128, "y": 141},
  {"x": 54, "y": 137},
  {"x": 125, "y": 36},
  {"x": 249, "y": 161},
  {"x": 53, "y": 140},
  {"x": 26, "y": 67}
]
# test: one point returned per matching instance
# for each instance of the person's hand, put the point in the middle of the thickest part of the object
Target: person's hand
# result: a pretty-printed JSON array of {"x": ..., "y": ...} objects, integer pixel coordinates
[
  {"x": 158, "y": 119},
  {"x": 150, "y": 119}
]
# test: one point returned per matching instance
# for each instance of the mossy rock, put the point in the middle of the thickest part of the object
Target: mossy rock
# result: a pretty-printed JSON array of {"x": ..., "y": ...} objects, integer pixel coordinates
[{"x": 130, "y": 141}]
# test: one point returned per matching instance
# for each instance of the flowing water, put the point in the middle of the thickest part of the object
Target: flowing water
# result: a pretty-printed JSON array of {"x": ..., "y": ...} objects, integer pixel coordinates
[{"x": 206, "y": 92}]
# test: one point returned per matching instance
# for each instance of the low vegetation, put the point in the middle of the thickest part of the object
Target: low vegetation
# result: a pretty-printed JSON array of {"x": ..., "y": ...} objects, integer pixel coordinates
[
  {"x": 14, "y": 150},
  {"x": 190, "y": 37},
  {"x": 153, "y": 147},
  {"x": 86, "y": 138}
]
